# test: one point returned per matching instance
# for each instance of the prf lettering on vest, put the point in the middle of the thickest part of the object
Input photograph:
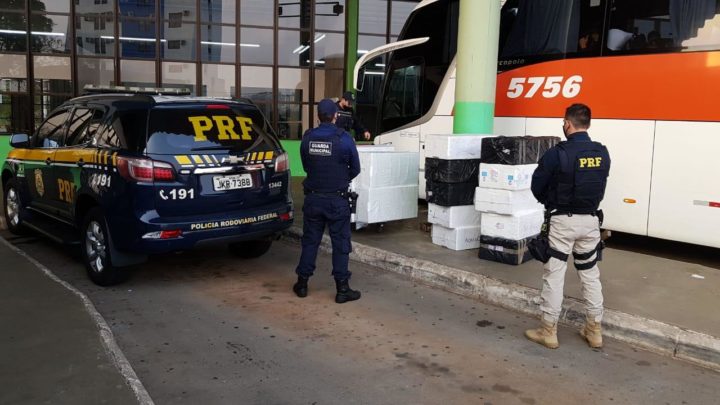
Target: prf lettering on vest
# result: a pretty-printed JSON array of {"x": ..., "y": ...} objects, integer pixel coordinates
[
  {"x": 225, "y": 127},
  {"x": 590, "y": 162}
]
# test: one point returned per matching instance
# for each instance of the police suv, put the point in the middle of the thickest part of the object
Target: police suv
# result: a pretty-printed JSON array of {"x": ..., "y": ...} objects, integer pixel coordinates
[{"x": 127, "y": 175}]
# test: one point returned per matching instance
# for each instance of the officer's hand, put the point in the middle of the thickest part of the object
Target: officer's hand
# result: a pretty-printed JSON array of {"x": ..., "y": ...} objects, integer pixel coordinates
[{"x": 366, "y": 135}]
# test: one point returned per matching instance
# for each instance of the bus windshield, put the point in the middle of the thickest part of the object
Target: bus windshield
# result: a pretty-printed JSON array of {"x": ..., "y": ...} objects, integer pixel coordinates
[{"x": 413, "y": 81}]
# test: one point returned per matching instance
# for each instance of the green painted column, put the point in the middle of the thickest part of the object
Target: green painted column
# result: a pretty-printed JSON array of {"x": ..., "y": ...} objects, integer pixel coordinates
[
  {"x": 476, "y": 62},
  {"x": 352, "y": 10}
]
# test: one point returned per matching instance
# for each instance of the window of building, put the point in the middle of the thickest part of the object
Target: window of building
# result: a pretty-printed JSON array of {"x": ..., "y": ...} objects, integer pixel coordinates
[
  {"x": 179, "y": 75},
  {"x": 178, "y": 43},
  {"x": 95, "y": 71},
  {"x": 256, "y": 46},
  {"x": 137, "y": 73},
  {"x": 258, "y": 12},
  {"x": 373, "y": 17},
  {"x": 218, "y": 43},
  {"x": 218, "y": 80},
  {"x": 219, "y": 11},
  {"x": 13, "y": 32}
]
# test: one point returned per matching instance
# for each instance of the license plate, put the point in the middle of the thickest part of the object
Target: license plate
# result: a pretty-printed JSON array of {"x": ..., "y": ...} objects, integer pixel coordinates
[{"x": 233, "y": 182}]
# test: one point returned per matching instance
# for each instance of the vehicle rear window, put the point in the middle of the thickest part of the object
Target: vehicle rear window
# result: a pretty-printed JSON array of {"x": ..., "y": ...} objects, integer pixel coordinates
[{"x": 236, "y": 128}]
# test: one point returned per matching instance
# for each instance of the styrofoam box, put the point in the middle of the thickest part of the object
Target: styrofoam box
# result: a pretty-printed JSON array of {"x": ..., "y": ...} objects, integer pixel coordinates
[
  {"x": 383, "y": 204},
  {"x": 513, "y": 227},
  {"x": 422, "y": 189},
  {"x": 386, "y": 169},
  {"x": 453, "y": 217},
  {"x": 506, "y": 177},
  {"x": 375, "y": 148},
  {"x": 464, "y": 238},
  {"x": 453, "y": 146},
  {"x": 508, "y": 202}
]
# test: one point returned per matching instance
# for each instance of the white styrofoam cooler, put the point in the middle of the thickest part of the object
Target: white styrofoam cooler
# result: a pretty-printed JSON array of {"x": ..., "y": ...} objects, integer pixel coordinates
[
  {"x": 382, "y": 168},
  {"x": 513, "y": 227},
  {"x": 453, "y": 217},
  {"x": 453, "y": 146},
  {"x": 463, "y": 238},
  {"x": 506, "y": 177},
  {"x": 384, "y": 204},
  {"x": 508, "y": 202}
]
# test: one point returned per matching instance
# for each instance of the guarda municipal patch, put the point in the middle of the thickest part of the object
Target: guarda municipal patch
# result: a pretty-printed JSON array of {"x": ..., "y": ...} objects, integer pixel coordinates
[{"x": 321, "y": 148}]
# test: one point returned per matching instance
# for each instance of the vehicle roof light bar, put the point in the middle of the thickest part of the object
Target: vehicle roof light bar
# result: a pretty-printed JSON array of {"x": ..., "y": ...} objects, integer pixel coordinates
[{"x": 104, "y": 89}]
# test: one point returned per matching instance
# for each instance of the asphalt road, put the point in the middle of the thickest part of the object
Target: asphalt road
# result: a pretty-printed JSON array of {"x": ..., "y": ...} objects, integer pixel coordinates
[{"x": 203, "y": 327}]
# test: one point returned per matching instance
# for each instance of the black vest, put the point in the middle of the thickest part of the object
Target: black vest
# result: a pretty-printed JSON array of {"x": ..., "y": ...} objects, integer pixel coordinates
[{"x": 580, "y": 184}]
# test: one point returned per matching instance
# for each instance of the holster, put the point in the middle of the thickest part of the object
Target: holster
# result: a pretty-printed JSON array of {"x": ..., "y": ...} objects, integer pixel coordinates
[
  {"x": 352, "y": 199},
  {"x": 540, "y": 246}
]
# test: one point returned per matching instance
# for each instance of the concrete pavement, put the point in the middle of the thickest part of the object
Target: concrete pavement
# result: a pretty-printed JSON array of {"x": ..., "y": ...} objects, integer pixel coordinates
[
  {"x": 654, "y": 299},
  {"x": 204, "y": 327},
  {"x": 54, "y": 346}
]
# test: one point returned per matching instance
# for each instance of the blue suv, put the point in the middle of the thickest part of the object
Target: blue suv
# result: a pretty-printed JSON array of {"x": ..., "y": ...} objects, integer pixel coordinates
[{"x": 128, "y": 175}]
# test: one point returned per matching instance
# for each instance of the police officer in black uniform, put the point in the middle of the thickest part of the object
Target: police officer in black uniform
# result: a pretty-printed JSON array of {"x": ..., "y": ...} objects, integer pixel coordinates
[
  {"x": 570, "y": 181},
  {"x": 347, "y": 119},
  {"x": 331, "y": 161}
]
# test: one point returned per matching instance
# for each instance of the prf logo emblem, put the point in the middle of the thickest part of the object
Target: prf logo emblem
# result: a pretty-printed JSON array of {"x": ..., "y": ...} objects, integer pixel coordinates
[
  {"x": 39, "y": 186},
  {"x": 590, "y": 162}
]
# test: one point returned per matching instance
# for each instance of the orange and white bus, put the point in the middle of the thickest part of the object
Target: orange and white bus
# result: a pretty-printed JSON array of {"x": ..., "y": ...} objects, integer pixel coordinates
[{"x": 649, "y": 69}]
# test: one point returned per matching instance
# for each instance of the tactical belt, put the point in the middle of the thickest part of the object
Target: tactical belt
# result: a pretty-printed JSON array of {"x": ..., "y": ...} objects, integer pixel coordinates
[{"x": 327, "y": 194}]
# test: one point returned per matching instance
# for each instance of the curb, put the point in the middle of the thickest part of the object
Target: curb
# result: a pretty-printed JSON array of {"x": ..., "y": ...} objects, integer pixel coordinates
[
  {"x": 695, "y": 347},
  {"x": 109, "y": 343}
]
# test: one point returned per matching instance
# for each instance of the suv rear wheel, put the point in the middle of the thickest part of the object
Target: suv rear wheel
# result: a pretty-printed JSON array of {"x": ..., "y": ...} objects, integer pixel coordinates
[
  {"x": 250, "y": 249},
  {"x": 96, "y": 251},
  {"x": 13, "y": 205}
]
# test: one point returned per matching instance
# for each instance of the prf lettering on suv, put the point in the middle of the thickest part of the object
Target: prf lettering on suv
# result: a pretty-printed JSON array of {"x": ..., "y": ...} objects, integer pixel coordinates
[{"x": 128, "y": 175}]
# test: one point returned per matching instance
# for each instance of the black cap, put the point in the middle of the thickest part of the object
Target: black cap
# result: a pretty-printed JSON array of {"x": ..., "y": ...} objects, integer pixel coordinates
[{"x": 349, "y": 96}]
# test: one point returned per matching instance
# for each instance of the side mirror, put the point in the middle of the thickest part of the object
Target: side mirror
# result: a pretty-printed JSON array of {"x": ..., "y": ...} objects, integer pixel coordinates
[
  {"x": 19, "y": 141},
  {"x": 360, "y": 79}
]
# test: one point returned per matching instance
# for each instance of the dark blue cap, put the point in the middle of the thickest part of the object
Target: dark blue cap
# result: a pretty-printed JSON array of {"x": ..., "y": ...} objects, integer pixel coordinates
[
  {"x": 327, "y": 107},
  {"x": 349, "y": 96}
]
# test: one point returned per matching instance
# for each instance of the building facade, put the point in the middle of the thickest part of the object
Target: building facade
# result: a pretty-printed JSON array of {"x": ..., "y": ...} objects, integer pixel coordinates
[{"x": 285, "y": 55}]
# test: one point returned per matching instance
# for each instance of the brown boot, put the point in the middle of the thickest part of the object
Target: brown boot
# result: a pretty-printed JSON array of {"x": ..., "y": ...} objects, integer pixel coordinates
[
  {"x": 592, "y": 333},
  {"x": 546, "y": 335}
]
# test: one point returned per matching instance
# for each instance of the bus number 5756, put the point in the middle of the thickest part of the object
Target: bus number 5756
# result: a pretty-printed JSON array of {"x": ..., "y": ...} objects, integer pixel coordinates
[{"x": 552, "y": 86}]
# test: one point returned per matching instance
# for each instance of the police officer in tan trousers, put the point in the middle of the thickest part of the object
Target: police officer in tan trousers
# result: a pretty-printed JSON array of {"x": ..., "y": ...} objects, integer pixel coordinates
[{"x": 570, "y": 181}]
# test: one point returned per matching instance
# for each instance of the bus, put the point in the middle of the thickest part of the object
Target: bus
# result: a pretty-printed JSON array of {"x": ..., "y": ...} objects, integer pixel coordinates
[{"x": 649, "y": 70}]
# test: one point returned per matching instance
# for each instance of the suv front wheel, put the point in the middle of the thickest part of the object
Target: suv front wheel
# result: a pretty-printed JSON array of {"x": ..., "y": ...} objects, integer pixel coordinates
[
  {"x": 96, "y": 251},
  {"x": 13, "y": 205}
]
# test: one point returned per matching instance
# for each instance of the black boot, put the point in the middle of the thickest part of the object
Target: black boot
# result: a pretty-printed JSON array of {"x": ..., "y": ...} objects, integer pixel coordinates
[
  {"x": 300, "y": 288},
  {"x": 345, "y": 293}
]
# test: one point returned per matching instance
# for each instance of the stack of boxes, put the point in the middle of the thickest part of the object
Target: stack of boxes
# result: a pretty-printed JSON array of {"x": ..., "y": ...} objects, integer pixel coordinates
[
  {"x": 451, "y": 174},
  {"x": 387, "y": 185},
  {"x": 511, "y": 216}
]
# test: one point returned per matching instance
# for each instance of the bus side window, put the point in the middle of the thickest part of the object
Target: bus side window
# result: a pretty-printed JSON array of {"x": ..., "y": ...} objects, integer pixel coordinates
[
  {"x": 536, "y": 31},
  {"x": 638, "y": 26}
]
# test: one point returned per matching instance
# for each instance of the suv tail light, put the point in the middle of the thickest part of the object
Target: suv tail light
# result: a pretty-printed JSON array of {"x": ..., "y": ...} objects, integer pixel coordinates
[
  {"x": 281, "y": 163},
  {"x": 145, "y": 170}
]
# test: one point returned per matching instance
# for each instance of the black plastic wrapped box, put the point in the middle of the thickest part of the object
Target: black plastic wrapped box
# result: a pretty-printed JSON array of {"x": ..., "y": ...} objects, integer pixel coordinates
[
  {"x": 451, "y": 171},
  {"x": 451, "y": 194},
  {"x": 506, "y": 251},
  {"x": 515, "y": 150}
]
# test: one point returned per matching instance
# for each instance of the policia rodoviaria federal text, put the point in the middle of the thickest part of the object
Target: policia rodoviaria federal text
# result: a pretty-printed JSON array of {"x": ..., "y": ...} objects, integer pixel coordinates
[
  {"x": 331, "y": 161},
  {"x": 570, "y": 181}
]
